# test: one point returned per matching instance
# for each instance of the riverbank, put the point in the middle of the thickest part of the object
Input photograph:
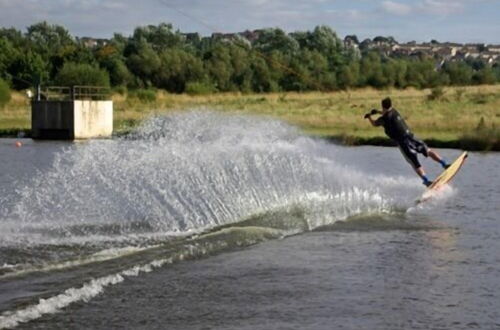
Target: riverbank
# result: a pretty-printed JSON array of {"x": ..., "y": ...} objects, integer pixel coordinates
[{"x": 455, "y": 117}]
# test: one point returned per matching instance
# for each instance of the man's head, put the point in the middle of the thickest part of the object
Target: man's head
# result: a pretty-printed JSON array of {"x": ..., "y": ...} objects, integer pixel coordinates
[{"x": 386, "y": 104}]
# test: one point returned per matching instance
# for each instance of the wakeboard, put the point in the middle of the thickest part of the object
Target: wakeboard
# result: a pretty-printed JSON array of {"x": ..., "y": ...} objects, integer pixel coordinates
[{"x": 444, "y": 178}]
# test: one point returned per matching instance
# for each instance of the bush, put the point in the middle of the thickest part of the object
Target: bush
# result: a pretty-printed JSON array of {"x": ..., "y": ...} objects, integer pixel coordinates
[
  {"x": 122, "y": 90},
  {"x": 485, "y": 139},
  {"x": 199, "y": 88},
  {"x": 73, "y": 74},
  {"x": 459, "y": 93},
  {"x": 437, "y": 93},
  {"x": 145, "y": 95},
  {"x": 480, "y": 98},
  {"x": 4, "y": 93}
]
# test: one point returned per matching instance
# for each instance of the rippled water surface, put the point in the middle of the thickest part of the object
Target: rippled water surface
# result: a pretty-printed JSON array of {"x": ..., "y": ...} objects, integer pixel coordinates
[{"x": 202, "y": 220}]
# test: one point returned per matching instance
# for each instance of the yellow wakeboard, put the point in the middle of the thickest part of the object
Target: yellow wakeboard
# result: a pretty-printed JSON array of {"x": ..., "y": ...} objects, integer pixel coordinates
[{"x": 444, "y": 177}]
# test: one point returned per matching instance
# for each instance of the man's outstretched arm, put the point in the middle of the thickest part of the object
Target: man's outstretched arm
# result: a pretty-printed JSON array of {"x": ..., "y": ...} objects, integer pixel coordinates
[{"x": 368, "y": 116}]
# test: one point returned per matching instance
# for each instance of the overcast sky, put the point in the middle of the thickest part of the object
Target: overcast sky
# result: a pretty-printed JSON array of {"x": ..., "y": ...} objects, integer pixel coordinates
[{"x": 405, "y": 20}]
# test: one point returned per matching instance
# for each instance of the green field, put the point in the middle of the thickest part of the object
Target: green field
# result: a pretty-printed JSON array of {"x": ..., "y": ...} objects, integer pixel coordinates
[{"x": 467, "y": 117}]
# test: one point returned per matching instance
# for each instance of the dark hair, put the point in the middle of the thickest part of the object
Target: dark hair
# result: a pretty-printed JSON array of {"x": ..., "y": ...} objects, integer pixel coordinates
[{"x": 387, "y": 103}]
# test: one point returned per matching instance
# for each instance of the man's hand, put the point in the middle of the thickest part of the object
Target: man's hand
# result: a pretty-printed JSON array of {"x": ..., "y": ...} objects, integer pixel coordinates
[{"x": 372, "y": 112}]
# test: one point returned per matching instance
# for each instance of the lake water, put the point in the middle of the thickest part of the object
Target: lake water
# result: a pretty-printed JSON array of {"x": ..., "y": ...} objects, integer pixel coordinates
[{"x": 208, "y": 221}]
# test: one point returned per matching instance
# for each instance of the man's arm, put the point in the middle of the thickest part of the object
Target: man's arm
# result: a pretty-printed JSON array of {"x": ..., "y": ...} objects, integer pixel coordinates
[{"x": 373, "y": 122}]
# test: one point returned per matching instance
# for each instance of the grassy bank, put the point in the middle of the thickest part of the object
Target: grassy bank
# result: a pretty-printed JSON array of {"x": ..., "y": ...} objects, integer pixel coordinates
[{"x": 464, "y": 117}]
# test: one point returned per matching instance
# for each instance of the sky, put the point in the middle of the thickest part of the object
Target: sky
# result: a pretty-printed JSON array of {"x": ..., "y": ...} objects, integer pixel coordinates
[{"x": 463, "y": 21}]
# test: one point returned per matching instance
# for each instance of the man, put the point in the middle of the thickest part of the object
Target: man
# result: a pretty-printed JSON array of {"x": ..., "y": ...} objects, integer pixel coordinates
[{"x": 396, "y": 128}]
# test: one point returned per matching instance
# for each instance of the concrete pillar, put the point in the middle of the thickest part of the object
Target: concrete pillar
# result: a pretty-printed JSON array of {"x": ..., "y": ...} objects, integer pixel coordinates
[{"x": 77, "y": 119}]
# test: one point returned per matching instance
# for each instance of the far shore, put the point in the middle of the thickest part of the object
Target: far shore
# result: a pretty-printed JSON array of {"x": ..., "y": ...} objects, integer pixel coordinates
[
  {"x": 456, "y": 117},
  {"x": 469, "y": 144}
]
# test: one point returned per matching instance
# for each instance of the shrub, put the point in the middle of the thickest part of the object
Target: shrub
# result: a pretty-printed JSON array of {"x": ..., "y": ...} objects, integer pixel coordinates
[
  {"x": 437, "y": 93},
  {"x": 145, "y": 95},
  {"x": 199, "y": 88},
  {"x": 4, "y": 93},
  {"x": 487, "y": 139},
  {"x": 122, "y": 90},
  {"x": 459, "y": 93},
  {"x": 480, "y": 98},
  {"x": 72, "y": 74},
  {"x": 481, "y": 126}
]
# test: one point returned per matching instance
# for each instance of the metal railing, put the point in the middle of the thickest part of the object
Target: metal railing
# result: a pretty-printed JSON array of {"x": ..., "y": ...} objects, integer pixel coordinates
[
  {"x": 90, "y": 93},
  {"x": 58, "y": 93}
]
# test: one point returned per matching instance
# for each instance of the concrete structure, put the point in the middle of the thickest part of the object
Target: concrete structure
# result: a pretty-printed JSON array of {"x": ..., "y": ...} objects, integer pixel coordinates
[{"x": 71, "y": 119}]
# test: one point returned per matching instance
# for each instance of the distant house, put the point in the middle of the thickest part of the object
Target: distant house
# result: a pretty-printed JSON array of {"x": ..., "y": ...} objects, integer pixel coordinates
[
  {"x": 441, "y": 52},
  {"x": 192, "y": 36},
  {"x": 494, "y": 48},
  {"x": 351, "y": 42},
  {"x": 251, "y": 36},
  {"x": 92, "y": 42},
  {"x": 490, "y": 57},
  {"x": 366, "y": 44},
  {"x": 412, "y": 50},
  {"x": 223, "y": 36},
  {"x": 444, "y": 52},
  {"x": 472, "y": 55}
]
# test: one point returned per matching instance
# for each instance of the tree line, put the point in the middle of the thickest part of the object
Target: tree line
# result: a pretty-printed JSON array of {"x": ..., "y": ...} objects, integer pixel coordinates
[{"x": 157, "y": 56}]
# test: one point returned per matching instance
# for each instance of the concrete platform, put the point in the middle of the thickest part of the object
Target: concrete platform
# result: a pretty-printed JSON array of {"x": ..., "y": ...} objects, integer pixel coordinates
[{"x": 71, "y": 119}]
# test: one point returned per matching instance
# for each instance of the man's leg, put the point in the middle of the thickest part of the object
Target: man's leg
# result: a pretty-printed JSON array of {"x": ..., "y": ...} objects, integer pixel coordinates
[
  {"x": 411, "y": 157},
  {"x": 434, "y": 155},
  {"x": 421, "y": 173},
  {"x": 420, "y": 147}
]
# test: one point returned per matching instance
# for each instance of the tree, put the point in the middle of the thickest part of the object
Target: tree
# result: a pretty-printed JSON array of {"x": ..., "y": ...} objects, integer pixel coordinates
[
  {"x": 276, "y": 40},
  {"x": 380, "y": 39},
  {"x": 371, "y": 71},
  {"x": 218, "y": 66},
  {"x": 459, "y": 73},
  {"x": 322, "y": 39},
  {"x": 319, "y": 77},
  {"x": 385, "y": 40},
  {"x": 348, "y": 76},
  {"x": 365, "y": 45},
  {"x": 8, "y": 55},
  {"x": 73, "y": 74},
  {"x": 262, "y": 80},
  {"x": 353, "y": 38},
  {"x": 119, "y": 74},
  {"x": 29, "y": 70},
  {"x": 430, "y": 74},
  {"x": 54, "y": 44},
  {"x": 110, "y": 57},
  {"x": 484, "y": 76},
  {"x": 413, "y": 76},
  {"x": 48, "y": 39},
  {"x": 4, "y": 93},
  {"x": 178, "y": 67},
  {"x": 159, "y": 37},
  {"x": 118, "y": 42},
  {"x": 269, "y": 60},
  {"x": 496, "y": 71},
  {"x": 400, "y": 70},
  {"x": 144, "y": 63},
  {"x": 476, "y": 63},
  {"x": 271, "y": 40},
  {"x": 15, "y": 37},
  {"x": 241, "y": 64}
]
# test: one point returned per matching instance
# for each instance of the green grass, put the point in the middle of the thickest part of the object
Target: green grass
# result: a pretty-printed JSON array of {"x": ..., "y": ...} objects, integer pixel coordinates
[{"x": 450, "y": 119}]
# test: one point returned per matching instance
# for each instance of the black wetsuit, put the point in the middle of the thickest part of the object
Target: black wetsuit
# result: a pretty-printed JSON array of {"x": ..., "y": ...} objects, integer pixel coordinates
[{"x": 396, "y": 128}]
